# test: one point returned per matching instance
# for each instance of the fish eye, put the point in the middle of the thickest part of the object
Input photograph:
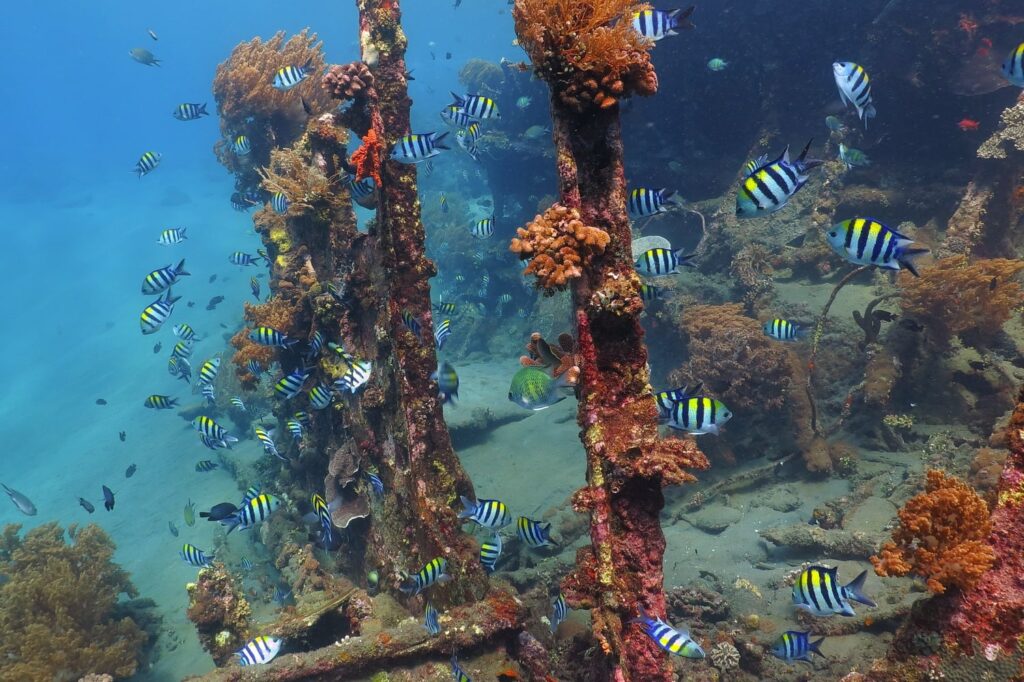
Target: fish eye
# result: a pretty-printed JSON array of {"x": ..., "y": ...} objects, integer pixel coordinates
[{"x": 832, "y": 233}]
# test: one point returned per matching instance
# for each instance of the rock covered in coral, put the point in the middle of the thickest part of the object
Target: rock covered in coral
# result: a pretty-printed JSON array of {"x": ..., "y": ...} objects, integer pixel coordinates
[
  {"x": 941, "y": 536},
  {"x": 1010, "y": 134},
  {"x": 347, "y": 81},
  {"x": 58, "y": 606},
  {"x": 558, "y": 246},
  {"x": 220, "y": 613}
]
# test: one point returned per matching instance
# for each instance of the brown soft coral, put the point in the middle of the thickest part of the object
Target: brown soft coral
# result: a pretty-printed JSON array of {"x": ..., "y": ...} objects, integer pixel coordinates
[
  {"x": 57, "y": 606},
  {"x": 955, "y": 297},
  {"x": 347, "y": 81},
  {"x": 941, "y": 536},
  {"x": 587, "y": 51},
  {"x": 558, "y": 245},
  {"x": 278, "y": 313}
]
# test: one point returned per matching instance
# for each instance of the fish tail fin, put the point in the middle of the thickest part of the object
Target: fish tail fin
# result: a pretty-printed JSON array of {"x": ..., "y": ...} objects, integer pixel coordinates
[
  {"x": 230, "y": 522},
  {"x": 181, "y": 232},
  {"x": 437, "y": 141},
  {"x": 642, "y": 618},
  {"x": 201, "y": 110},
  {"x": 546, "y": 529},
  {"x": 668, "y": 196},
  {"x": 171, "y": 299},
  {"x": 684, "y": 258},
  {"x": 868, "y": 112},
  {"x": 470, "y": 507},
  {"x": 173, "y": 402},
  {"x": 906, "y": 259},
  {"x": 460, "y": 101},
  {"x": 814, "y": 646},
  {"x": 181, "y": 269},
  {"x": 681, "y": 18},
  {"x": 855, "y": 590},
  {"x": 803, "y": 163},
  {"x": 801, "y": 333}
]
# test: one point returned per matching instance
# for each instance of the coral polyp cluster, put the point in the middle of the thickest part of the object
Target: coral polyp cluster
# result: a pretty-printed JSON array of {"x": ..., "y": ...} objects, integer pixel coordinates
[
  {"x": 941, "y": 536},
  {"x": 559, "y": 246},
  {"x": 347, "y": 81},
  {"x": 587, "y": 51}
]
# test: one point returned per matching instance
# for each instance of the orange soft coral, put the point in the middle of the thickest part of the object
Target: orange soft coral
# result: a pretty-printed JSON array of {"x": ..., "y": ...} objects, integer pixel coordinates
[
  {"x": 955, "y": 297},
  {"x": 558, "y": 245},
  {"x": 941, "y": 536},
  {"x": 588, "y": 51},
  {"x": 367, "y": 158},
  {"x": 278, "y": 313}
]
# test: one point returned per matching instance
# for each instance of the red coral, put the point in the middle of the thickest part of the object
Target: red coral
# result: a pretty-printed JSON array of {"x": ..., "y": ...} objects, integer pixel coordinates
[
  {"x": 941, "y": 536},
  {"x": 367, "y": 159}
]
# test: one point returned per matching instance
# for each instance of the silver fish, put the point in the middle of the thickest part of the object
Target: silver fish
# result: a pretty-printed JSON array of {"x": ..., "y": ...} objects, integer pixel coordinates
[{"x": 23, "y": 504}]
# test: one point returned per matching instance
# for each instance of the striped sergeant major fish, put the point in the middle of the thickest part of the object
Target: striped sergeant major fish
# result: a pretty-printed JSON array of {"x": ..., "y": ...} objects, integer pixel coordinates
[
  {"x": 209, "y": 394},
  {"x": 415, "y": 147},
  {"x": 698, "y": 416},
  {"x": 656, "y": 24},
  {"x": 295, "y": 428},
  {"x": 279, "y": 202},
  {"x": 674, "y": 641},
  {"x": 783, "y": 330},
  {"x": 287, "y": 77},
  {"x": 482, "y": 229},
  {"x": 241, "y": 145},
  {"x": 363, "y": 192},
  {"x": 817, "y": 590},
  {"x": 864, "y": 241},
  {"x": 559, "y": 611},
  {"x": 534, "y": 533},
  {"x": 184, "y": 332},
  {"x": 254, "y": 287},
  {"x": 357, "y": 374},
  {"x": 147, "y": 163},
  {"x": 156, "y": 313},
  {"x": 208, "y": 371},
  {"x": 252, "y": 512},
  {"x": 796, "y": 646},
  {"x": 445, "y": 308},
  {"x": 254, "y": 367},
  {"x": 212, "y": 443},
  {"x": 323, "y": 514},
  {"x": 315, "y": 345},
  {"x": 649, "y": 292},
  {"x": 477, "y": 107},
  {"x": 303, "y": 418},
  {"x": 644, "y": 201},
  {"x": 770, "y": 187},
  {"x": 490, "y": 552},
  {"x": 163, "y": 278},
  {"x": 320, "y": 397},
  {"x": 259, "y": 651},
  {"x": 182, "y": 350},
  {"x": 444, "y": 203},
  {"x": 190, "y": 112},
  {"x": 487, "y": 513},
  {"x": 290, "y": 385},
  {"x": 659, "y": 261},
  {"x": 855, "y": 88},
  {"x": 180, "y": 367},
  {"x": 160, "y": 402},
  {"x": 212, "y": 430},
  {"x": 411, "y": 323},
  {"x": 205, "y": 466},
  {"x": 433, "y": 572},
  {"x": 458, "y": 674},
  {"x": 266, "y": 438},
  {"x": 667, "y": 400},
  {"x": 242, "y": 258},
  {"x": 431, "y": 619},
  {"x": 268, "y": 336},
  {"x": 174, "y": 235},
  {"x": 1013, "y": 67},
  {"x": 455, "y": 115},
  {"x": 194, "y": 556},
  {"x": 376, "y": 484}
]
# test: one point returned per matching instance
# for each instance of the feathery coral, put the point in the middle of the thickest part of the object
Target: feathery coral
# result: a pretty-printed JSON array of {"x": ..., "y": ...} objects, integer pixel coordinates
[
  {"x": 941, "y": 536},
  {"x": 958, "y": 298},
  {"x": 303, "y": 183},
  {"x": 367, "y": 159},
  {"x": 57, "y": 608},
  {"x": 558, "y": 245},
  {"x": 587, "y": 51}
]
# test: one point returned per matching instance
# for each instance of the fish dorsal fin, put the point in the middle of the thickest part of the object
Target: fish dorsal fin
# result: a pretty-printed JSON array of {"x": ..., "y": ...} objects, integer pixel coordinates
[{"x": 784, "y": 158}]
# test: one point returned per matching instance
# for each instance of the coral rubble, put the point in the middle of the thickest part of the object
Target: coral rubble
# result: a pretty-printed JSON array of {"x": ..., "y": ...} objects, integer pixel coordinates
[
  {"x": 941, "y": 536},
  {"x": 558, "y": 246},
  {"x": 58, "y": 606}
]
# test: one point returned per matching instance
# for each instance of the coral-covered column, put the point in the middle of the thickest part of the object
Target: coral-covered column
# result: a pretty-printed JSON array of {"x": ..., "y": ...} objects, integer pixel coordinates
[
  {"x": 413, "y": 446},
  {"x": 590, "y": 57}
]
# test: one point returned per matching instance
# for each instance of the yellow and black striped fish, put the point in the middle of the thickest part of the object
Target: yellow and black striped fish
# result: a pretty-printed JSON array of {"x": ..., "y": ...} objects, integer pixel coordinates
[
  {"x": 189, "y": 111},
  {"x": 490, "y": 552},
  {"x": 414, "y": 148},
  {"x": 268, "y": 336},
  {"x": 699, "y": 415},
  {"x": 147, "y": 163},
  {"x": 477, "y": 106},
  {"x": 433, "y": 572},
  {"x": 783, "y": 330},
  {"x": 287, "y": 77},
  {"x": 160, "y": 402},
  {"x": 163, "y": 278},
  {"x": 1013, "y": 67},
  {"x": 252, "y": 511},
  {"x": 644, "y": 201},
  {"x": 865, "y": 241},
  {"x": 156, "y": 313},
  {"x": 194, "y": 556},
  {"x": 817, "y": 590},
  {"x": 487, "y": 513},
  {"x": 658, "y": 261},
  {"x": 534, "y": 533},
  {"x": 208, "y": 371},
  {"x": 770, "y": 187},
  {"x": 290, "y": 385},
  {"x": 320, "y": 396}
]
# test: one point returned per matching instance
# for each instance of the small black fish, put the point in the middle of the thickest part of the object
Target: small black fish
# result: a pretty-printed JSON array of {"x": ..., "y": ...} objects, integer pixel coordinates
[
  {"x": 130, "y": 471},
  {"x": 213, "y": 302},
  {"x": 171, "y": 527},
  {"x": 213, "y": 278},
  {"x": 408, "y": 76},
  {"x": 913, "y": 326},
  {"x": 977, "y": 365},
  {"x": 157, "y": 347},
  {"x": 305, "y": 106},
  {"x": 219, "y": 511},
  {"x": 883, "y": 315},
  {"x": 447, "y": 55},
  {"x": 86, "y": 505},
  {"x": 108, "y": 498},
  {"x": 101, "y": 401},
  {"x": 190, "y": 304},
  {"x": 122, "y": 435},
  {"x": 992, "y": 284}
]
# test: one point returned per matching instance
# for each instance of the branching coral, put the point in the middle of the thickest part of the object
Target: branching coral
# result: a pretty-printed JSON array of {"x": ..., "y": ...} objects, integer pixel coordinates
[
  {"x": 958, "y": 298},
  {"x": 303, "y": 183},
  {"x": 732, "y": 356},
  {"x": 587, "y": 51},
  {"x": 369, "y": 157},
  {"x": 558, "y": 245},
  {"x": 941, "y": 536},
  {"x": 57, "y": 607},
  {"x": 348, "y": 81}
]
